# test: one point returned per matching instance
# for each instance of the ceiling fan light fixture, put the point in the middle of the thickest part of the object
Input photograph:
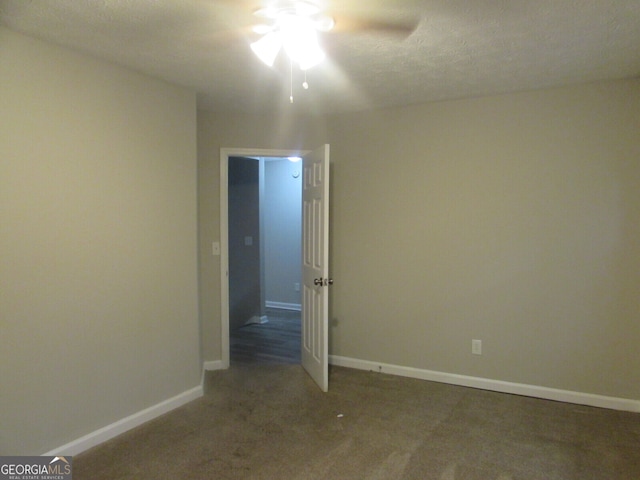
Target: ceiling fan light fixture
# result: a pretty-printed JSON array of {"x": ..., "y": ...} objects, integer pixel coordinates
[
  {"x": 267, "y": 48},
  {"x": 266, "y": 12},
  {"x": 325, "y": 23},
  {"x": 306, "y": 9},
  {"x": 262, "y": 29},
  {"x": 294, "y": 27},
  {"x": 300, "y": 41},
  {"x": 311, "y": 57}
]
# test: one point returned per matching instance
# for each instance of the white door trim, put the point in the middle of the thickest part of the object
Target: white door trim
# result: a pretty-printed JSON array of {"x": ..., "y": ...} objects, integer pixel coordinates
[{"x": 225, "y": 153}]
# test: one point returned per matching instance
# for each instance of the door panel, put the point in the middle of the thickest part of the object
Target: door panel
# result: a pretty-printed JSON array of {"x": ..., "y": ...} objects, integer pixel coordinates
[{"x": 315, "y": 265}]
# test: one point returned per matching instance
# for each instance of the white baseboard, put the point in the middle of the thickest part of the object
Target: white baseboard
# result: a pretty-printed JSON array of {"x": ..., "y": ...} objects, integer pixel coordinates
[
  {"x": 256, "y": 320},
  {"x": 110, "y": 431},
  {"x": 567, "y": 396},
  {"x": 214, "y": 365},
  {"x": 211, "y": 366},
  {"x": 283, "y": 306}
]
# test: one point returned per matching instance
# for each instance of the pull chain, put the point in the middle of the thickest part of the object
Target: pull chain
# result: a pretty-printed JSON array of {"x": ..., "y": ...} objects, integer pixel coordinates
[
  {"x": 305, "y": 85},
  {"x": 291, "y": 80}
]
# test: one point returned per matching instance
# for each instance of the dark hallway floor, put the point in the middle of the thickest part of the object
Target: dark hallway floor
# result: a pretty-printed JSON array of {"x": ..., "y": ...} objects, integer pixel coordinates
[{"x": 275, "y": 342}]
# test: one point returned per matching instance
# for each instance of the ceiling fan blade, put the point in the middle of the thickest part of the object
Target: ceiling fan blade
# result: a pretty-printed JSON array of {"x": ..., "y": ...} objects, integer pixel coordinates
[
  {"x": 351, "y": 24},
  {"x": 341, "y": 18}
]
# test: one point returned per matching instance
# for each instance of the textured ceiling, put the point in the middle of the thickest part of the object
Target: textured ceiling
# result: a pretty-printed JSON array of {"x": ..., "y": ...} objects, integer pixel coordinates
[{"x": 459, "y": 48}]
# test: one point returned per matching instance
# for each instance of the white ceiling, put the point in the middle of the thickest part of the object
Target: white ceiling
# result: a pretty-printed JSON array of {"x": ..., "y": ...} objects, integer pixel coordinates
[{"x": 460, "y": 48}]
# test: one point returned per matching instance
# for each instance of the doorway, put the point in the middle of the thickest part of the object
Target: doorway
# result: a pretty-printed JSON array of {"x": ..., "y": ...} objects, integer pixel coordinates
[
  {"x": 286, "y": 307},
  {"x": 315, "y": 256},
  {"x": 264, "y": 255}
]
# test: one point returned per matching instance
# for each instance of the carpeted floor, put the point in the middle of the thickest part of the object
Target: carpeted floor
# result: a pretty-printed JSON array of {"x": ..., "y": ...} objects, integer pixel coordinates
[{"x": 272, "y": 422}]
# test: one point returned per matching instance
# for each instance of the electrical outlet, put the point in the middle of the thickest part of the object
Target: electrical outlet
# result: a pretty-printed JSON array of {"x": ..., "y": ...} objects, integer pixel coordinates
[
  {"x": 476, "y": 347},
  {"x": 296, "y": 287}
]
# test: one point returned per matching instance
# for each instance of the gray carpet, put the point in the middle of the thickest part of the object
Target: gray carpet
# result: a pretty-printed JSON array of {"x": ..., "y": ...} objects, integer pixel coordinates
[{"x": 271, "y": 422}]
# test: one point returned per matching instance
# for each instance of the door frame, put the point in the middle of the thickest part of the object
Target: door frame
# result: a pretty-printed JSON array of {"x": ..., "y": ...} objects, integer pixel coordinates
[{"x": 225, "y": 154}]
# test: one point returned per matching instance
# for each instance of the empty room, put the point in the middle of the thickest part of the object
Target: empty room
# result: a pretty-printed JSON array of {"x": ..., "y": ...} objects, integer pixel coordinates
[{"x": 469, "y": 280}]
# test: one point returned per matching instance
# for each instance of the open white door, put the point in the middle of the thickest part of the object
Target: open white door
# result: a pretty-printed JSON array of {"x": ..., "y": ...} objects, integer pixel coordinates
[{"x": 315, "y": 265}]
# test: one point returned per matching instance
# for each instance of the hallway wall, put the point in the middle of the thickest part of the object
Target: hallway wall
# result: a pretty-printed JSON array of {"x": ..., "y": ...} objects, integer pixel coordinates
[
  {"x": 245, "y": 299},
  {"x": 283, "y": 227}
]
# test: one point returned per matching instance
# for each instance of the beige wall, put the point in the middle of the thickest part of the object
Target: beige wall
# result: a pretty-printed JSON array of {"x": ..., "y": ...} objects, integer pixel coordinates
[
  {"x": 282, "y": 130},
  {"x": 512, "y": 219},
  {"x": 98, "y": 258}
]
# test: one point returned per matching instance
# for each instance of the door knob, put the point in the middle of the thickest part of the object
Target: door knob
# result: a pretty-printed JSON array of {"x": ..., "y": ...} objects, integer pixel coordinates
[
  {"x": 317, "y": 281},
  {"x": 328, "y": 281}
]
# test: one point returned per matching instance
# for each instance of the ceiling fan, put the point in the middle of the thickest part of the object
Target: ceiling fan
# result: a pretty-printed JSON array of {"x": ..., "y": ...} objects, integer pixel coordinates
[{"x": 294, "y": 27}]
